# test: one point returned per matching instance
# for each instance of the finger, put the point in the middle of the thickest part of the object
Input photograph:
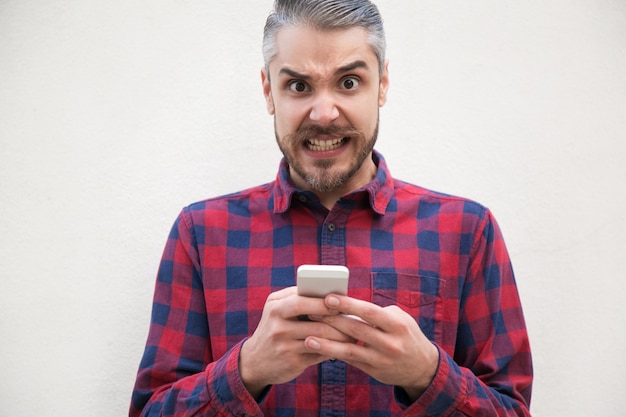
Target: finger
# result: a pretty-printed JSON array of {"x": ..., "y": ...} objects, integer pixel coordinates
[
  {"x": 368, "y": 312},
  {"x": 351, "y": 353},
  {"x": 356, "y": 328},
  {"x": 301, "y": 331},
  {"x": 294, "y": 306}
]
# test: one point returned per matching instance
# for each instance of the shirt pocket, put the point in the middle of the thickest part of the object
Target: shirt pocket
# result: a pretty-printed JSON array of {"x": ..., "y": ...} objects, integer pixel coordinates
[{"x": 418, "y": 295}]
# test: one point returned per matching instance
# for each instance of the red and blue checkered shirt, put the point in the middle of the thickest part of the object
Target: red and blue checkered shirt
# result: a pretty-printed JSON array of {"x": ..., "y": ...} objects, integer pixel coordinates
[{"x": 440, "y": 258}]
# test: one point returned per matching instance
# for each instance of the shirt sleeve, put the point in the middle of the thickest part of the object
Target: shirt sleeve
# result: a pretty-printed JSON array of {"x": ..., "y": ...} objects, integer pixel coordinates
[
  {"x": 490, "y": 371},
  {"x": 178, "y": 375}
]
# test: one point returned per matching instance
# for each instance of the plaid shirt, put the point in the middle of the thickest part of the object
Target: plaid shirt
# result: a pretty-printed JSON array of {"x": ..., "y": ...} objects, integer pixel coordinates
[{"x": 440, "y": 258}]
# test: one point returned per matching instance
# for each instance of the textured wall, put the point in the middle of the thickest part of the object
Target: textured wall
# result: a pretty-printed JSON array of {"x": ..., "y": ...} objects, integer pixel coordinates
[{"x": 113, "y": 115}]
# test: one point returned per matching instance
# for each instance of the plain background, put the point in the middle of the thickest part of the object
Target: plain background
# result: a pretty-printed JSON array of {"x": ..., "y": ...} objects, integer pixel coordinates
[{"x": 114, "y": 115}]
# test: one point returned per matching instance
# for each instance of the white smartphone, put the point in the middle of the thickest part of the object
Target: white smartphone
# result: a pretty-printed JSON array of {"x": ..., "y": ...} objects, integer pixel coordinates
[{"x": 320, "y": 280}]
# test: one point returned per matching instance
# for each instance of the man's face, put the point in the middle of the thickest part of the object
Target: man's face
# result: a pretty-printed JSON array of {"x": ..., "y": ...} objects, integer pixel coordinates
[{"x": 324, "y": 90}]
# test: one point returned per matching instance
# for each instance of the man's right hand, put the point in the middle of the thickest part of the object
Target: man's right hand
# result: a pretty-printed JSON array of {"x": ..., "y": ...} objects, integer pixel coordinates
[{"x": 276, "y": 353}]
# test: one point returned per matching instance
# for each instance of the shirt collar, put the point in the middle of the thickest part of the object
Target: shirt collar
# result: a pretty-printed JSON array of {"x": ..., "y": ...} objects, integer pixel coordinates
[{"x": 380, "y": 189}]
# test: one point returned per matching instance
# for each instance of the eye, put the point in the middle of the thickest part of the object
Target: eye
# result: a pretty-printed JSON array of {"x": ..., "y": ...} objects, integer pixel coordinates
[
  {"x": 298, "y": 86},
  {"x": 349, "y": 83}
]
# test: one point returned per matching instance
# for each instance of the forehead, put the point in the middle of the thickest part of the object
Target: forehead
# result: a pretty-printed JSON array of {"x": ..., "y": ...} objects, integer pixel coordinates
[{"x": 307, "y": 49}]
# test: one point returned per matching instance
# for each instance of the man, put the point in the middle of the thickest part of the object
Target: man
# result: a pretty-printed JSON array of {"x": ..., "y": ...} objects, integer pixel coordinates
[{"x": 432, "y": 324}]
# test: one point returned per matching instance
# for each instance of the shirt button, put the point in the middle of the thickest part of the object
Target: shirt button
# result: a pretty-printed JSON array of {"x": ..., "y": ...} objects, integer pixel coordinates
[
  {"x": 302, "y": 198},
  {"x": 331, "y": 227}
]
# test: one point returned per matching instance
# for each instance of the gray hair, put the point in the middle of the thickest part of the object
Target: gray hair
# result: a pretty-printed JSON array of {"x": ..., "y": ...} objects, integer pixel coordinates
[{"x": 325, "y": 15}]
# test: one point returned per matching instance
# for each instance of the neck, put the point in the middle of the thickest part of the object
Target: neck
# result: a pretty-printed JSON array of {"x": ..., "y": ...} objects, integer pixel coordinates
[{"x": 329, "y": 199}]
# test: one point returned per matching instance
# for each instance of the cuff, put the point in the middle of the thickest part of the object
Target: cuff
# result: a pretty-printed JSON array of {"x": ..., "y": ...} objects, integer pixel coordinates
[
  {"x": 225, "y": 386},
  {"x": 445, "y": 393}
]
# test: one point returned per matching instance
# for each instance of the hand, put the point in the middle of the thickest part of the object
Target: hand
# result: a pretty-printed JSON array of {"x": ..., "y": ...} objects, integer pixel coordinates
[
  {"x": 275, "y": 353},
  {"x": 392, "y": 348}
]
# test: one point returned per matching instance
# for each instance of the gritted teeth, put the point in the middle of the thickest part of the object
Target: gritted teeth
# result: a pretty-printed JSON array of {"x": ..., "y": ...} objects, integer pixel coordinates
[{"x": 325, "y": 145}]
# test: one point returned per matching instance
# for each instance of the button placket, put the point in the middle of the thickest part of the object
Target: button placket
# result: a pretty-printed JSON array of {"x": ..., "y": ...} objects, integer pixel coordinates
[{"x": 333, "y": 239}]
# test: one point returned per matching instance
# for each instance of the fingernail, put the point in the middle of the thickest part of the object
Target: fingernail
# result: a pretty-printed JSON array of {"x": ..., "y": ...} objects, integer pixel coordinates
[
  {"x": 332, "y": 301},
  {"x": 313, "y": 344}
]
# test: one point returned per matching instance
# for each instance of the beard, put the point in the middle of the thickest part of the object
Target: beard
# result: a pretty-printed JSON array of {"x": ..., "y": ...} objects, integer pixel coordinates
[{"x": 321, "y": 176}]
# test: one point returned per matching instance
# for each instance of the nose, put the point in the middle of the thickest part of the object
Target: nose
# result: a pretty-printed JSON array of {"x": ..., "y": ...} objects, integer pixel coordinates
[{"x": 324, "y": 109}]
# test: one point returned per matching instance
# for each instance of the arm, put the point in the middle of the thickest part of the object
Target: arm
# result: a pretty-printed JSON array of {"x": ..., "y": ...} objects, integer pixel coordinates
[
  {"x": 490, "y": 372},
  {"x": 178, "y": 375}
]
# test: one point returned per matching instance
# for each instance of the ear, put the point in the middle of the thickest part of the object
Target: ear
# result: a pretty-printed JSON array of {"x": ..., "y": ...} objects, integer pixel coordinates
[
  {"x": 267, "y": 91},
  {"x": 384, "y": 85}
]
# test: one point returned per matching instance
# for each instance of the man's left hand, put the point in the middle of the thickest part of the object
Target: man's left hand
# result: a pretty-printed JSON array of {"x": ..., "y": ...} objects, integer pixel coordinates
[{"x": 390, "y": 346}]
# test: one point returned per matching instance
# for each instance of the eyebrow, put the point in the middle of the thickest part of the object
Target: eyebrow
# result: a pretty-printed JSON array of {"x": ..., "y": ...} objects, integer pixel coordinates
[{"x": 346, "y": 68}]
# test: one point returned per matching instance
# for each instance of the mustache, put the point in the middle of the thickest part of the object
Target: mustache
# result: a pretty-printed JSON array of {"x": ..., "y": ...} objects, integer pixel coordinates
[{"x": 307, "y": 133}]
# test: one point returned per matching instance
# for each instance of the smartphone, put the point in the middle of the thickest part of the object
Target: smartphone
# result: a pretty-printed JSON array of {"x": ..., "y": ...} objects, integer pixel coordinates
[{"x": 320, "y": 280}]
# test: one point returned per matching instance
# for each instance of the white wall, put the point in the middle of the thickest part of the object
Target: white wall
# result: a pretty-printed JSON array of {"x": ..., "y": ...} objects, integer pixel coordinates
[{"x": 113, "y": 115}]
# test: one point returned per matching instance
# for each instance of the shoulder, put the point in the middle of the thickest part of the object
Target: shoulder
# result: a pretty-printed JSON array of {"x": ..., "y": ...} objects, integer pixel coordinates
[{"x": 428, "y": 202}]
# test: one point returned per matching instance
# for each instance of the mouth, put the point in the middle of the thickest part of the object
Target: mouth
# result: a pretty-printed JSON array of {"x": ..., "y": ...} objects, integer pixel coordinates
[{"x": 318, "y": 145}]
